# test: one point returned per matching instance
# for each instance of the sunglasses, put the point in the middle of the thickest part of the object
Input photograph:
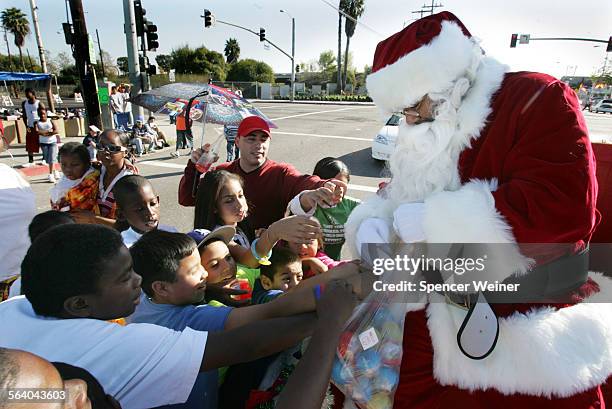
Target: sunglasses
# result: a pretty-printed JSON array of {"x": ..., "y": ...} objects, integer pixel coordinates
[{"x": 111, "y": 149}]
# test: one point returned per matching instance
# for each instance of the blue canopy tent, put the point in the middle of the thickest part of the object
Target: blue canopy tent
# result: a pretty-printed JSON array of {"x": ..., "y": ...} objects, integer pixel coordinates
[{"x": 31, "y": 76}]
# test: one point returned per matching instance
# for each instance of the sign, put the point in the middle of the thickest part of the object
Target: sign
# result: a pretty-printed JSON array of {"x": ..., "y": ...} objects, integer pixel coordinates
[
  {"x": 78, "y": 97},
  {"x": 92, "y": 51},
  {"x": 524, "y": 39},
  {"x": 103, "y": 95},
  {"x": 6, "y": 101},
  {"x": 57, "y": 99},
  {"x": 172, "y": 75}
]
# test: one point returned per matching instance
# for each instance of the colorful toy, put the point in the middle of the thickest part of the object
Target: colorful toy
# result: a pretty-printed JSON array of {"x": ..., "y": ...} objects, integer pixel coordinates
[
  {"x": 386, "y": 380},
  {"x": 392, "y": 332},
  {"x": 380, "y": 400},
  {"x": 362, "y": 392},
  {"x": 391, "y": 353},
  {"x": 367, "y": 363},
  {"x": 341, "y": 374}
]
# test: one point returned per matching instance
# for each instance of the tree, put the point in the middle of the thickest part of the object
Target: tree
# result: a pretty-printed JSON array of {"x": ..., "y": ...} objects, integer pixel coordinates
[
  {"x": 6, "y": 62},
  {"x": 232, "y": 51},
  {"x": 122, "y": 64},
  {"x": 186, "y": 60},
  {"x": 251, "y": 70},
  {"x": 16, "y": 22},
  {"x": 355, "y": 9},
  {"x": 327, "y": 61},
  {"x": 68, "y": 75},
  {"x": 164, "y": 61}
]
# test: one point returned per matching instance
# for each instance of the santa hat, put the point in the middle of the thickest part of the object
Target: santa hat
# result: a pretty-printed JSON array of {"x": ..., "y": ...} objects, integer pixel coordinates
[{"x": 425, "y": 57}]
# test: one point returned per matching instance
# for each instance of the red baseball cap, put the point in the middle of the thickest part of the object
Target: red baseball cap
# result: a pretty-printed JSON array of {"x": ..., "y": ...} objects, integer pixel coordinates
[{"x": 253, "y": 123}]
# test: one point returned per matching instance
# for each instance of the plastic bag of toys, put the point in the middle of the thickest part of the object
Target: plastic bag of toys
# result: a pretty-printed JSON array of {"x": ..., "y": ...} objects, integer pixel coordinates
[{"x": 368, "y": 358}]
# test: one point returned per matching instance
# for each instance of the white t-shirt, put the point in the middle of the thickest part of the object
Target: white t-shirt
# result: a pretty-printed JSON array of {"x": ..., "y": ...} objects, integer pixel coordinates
[
  {"x": 31, "y": 112},
  {"x": 141, "y": 365},
  {"x": 17, "y": 208},
  {"x": 46, "y": 126},
  {"x": 131, "y": 236}
]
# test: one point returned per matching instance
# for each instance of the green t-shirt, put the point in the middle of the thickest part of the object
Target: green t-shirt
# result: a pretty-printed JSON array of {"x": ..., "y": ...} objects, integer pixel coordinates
[{"x": 332, "y": 223}]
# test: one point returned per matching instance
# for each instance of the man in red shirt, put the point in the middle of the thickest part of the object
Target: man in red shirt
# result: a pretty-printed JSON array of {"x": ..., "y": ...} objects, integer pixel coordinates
[{"x": 268, "y": 185}]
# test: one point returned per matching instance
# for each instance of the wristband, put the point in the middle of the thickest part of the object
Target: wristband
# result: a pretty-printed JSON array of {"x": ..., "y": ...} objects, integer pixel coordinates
[
  {"x": 318, "y": 291},
  {"x": 264, "y": 261}
]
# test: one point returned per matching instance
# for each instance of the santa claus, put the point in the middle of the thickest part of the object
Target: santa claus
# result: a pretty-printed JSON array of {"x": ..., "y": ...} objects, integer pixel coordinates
[{"x": 490, "y": 156}]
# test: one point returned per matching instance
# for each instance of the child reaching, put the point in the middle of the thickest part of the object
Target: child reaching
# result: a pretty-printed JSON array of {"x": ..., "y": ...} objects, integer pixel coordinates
[
  {"x": 282, "y": 274},
  {"x": 314, "y": 259},
  {"x": 137, "y": 208},
  {"x": 77, "y": 189},
  {"x": 332, "y": 219},
  {"x": 220, "y": 201}
]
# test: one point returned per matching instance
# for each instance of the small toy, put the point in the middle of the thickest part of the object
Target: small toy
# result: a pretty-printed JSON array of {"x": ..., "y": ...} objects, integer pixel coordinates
[
  {"x": 381, "y": 400},
  {"x": 386, "y": 380},
  {"x": 391, "y": 353},
  {"x": 367, "y": 363}
]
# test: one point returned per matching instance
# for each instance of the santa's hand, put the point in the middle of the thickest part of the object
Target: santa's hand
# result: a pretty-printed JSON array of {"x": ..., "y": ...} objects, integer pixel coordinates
[
  {"x": 408, "y": 222},
  {"x": 372, "y": 230}
]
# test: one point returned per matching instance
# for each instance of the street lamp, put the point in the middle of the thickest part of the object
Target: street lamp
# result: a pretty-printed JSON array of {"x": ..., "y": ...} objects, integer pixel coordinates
[{"x": 292, "y": 54}]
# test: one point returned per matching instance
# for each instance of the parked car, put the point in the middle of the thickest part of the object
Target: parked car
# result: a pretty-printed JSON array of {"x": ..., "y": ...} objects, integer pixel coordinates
[
  {"x": 384, "y": 142},
  {"x": 605, "y": 105}
]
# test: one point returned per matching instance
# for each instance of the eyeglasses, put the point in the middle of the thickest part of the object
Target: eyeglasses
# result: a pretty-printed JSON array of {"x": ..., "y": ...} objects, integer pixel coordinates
[
  {"x": 416, "y": 111},
  {"x": 111, "y": 149}
]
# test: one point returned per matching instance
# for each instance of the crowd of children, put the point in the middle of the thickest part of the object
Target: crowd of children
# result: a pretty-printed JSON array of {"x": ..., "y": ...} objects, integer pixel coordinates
[{"x": 211, "y": 318}]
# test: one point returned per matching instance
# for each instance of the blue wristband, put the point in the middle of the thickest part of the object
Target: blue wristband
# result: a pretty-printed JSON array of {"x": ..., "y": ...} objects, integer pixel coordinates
[{"x": 262, "y": 260}]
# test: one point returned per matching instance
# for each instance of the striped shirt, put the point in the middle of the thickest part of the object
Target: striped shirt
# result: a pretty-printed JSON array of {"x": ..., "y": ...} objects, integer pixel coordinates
[
  {"x": 230, "y": 132},
  {"x": 106, "y": 199}
]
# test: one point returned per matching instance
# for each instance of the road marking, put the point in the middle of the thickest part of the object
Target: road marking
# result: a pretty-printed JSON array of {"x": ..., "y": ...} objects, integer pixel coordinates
[
  {"x": 351, "y": 138},
  {"x": 318, "y": 112},
  {"x": 361, "y": 188}
]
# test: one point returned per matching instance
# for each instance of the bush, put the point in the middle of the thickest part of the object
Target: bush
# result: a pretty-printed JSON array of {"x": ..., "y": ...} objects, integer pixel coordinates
[
  {"x": 250, "y": 70},
  {"x": 335, "y": 98}
]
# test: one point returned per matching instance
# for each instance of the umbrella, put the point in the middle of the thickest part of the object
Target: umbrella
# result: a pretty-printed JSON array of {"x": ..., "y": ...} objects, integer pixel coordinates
[{"x": 211, "y": 104}]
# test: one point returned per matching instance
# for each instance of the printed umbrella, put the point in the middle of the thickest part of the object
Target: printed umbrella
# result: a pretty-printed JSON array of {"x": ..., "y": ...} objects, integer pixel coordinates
[{"x": 211, "y": 104}]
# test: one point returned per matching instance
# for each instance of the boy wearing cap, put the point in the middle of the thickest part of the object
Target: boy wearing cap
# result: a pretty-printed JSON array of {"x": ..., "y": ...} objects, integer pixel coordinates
[
  {"x": 141, "y": 135},
  {"x": 268, "y": 185}
]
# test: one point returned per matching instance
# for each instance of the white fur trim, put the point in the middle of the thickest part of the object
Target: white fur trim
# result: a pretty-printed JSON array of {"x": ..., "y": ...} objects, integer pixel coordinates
[
  {"x": 430, "y": 68},
  {"x": 468, "y": 215},
  {"x": 374, "y": 207},
  {"x": 545, "y": 352}
]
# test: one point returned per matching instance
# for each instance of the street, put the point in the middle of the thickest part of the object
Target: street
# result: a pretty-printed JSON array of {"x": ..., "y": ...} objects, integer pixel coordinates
[{"x": 305, "y": 134}]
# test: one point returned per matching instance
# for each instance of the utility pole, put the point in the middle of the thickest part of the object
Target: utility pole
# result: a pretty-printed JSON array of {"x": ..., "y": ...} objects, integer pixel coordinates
[
  {"x": 132, "y": 53},
  {"x": 87, "y": 74},
  {"x": 41, "y": 53},
  {"x": 292, "y": 54},
  {"x": 100, "y": 50}
]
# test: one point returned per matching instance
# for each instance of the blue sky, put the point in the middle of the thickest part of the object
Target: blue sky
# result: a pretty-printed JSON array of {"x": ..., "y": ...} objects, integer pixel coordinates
[{"x": 492, "y": 21}]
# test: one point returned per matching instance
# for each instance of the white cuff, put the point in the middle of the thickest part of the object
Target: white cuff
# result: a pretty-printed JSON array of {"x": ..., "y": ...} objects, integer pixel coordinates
[
  {"x": 408, "y": 222},
  {"x": 295, "y": 207}
]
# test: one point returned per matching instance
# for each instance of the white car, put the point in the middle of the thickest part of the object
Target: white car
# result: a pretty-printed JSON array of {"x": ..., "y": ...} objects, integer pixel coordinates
[
  {"x": 384, "y": 142},
  {"x": 605, "y": 105}
]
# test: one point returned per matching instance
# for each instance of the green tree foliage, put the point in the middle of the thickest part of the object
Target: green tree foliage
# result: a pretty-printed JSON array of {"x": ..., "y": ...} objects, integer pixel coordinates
[
  {"x": 122, "y": 64},
  {"x": 8, "y": 65},
  {"x": 68, "y": 75},
  {"x": 15, "y": 22},
  {"x": 355, "y": 9},
  {"x": 251, "y": 70},
  {"x": 327, "y": 61},
  {"x": 232, "y": 51},
  {"x": 164, "y": 62},
  {"x": 186, "y": 60}
]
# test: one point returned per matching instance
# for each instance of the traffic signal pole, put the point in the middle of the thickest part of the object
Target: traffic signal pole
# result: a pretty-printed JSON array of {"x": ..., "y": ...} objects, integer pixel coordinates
[
  {"x": 132, "y": 51},
  {"x": 86, "y": 71}
]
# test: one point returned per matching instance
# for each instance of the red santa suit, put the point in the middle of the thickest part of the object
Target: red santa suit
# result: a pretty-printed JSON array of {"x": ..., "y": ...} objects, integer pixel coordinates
[{"x": 520, "y": 170}]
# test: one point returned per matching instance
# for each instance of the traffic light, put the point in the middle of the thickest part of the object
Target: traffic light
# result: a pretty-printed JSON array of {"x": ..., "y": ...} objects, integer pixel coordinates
[
  {"x": 152, "y": 70},
  {"x": 207, "y": 18},
  {"x": 297, "y": 68},
  {"x": 262, "y": 34},
  {"x": 609, "y": 48},
  {"x": 152, "y": 37},
  {"x": 139, "y": 13},
  {"x": 69, "y": 33},
  {"x": 513, "y": 40}
]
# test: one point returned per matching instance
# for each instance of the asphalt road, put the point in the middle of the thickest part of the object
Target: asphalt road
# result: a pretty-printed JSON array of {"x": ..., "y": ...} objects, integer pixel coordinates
[{"x": 305, "y": 134}]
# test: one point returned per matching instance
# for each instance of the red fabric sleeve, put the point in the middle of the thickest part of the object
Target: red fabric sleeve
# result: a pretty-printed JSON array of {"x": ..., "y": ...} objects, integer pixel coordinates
[
  {"x": 548, "y": 190},
  {"x": 185, "y": 191},
  {"x": 294, "y": 182}
]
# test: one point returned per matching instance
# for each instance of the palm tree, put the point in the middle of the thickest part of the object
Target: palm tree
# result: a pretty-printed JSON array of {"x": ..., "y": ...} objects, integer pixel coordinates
[
  {"x": 16, "y": 22},
  {"x": 354, "y": 9},
  {"x": 342, "y": 8},
  {"x": 232, "y": 51}
]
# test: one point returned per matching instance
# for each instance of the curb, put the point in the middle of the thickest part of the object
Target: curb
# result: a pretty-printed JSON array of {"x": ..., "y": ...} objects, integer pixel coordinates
[
  {"x": 272, "y": 101},
  {"x": 36, "y": 170}
]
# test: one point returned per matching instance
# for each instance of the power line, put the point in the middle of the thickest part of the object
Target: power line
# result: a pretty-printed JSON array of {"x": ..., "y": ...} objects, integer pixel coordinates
[{"x": 353, "y": 19}]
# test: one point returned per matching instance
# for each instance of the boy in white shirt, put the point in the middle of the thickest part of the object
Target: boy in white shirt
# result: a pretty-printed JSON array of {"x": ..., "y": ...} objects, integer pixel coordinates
[
  {"x": 75, "y": 277},
  {"x": 137, "y": 207}
]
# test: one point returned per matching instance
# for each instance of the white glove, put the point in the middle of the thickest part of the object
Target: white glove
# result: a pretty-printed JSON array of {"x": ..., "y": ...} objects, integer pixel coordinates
[
  {"x": 408, "y": 222},
  {"x": 372, "y": 230}
]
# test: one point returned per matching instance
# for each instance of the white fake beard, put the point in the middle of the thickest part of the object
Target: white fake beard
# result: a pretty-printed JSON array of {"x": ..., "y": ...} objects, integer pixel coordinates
[{"x": 425, "y": 159}]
